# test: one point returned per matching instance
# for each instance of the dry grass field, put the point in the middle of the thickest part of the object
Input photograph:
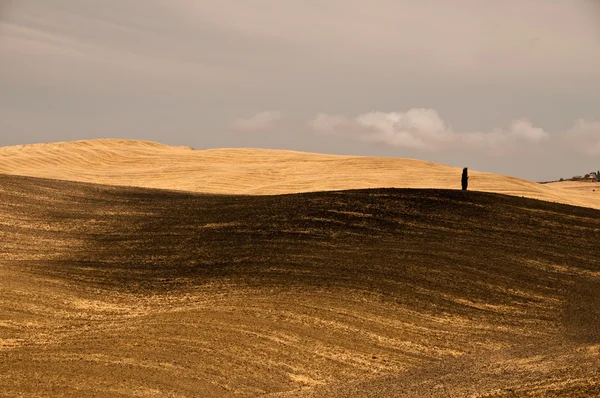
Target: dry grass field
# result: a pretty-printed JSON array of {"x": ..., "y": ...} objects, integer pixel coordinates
[
  {"x": 112, "y": 291},
  {"x": 577, "y": 186},
  {"x": 255, "y": 171}
]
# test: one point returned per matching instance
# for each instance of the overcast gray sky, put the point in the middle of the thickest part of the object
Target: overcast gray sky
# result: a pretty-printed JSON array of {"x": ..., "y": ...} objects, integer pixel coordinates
[{"x": 507, "y": 86}]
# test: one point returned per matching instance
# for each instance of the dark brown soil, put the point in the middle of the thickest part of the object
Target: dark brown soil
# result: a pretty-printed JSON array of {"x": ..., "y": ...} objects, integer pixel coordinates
[{"x": 112, "y": 291}]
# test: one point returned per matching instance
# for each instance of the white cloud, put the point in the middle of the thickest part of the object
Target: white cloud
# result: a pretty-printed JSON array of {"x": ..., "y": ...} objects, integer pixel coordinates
[
  {"x": 424, "y": 129},
  {"x": 583, "y": 137},
  {"x": 519, "y": 133},
  {"x": 260, "y": 122},
  {"x": 415, "y": 129}
]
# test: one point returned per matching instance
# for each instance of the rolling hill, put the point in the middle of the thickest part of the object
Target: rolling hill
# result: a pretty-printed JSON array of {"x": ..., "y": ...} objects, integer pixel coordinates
[
  {"x": 255, "y": 171},
  {"x": 576, "y": 186},
  {"x": 134, "y": 292}
]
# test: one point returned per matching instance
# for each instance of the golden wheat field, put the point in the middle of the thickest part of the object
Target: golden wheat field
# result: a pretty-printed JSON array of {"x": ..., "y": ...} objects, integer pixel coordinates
[{"x": 256, "y": 171}]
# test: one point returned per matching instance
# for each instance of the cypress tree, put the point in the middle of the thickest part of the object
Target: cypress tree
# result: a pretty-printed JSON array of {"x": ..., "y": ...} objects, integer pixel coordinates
[{"x": 465, "y": 179}]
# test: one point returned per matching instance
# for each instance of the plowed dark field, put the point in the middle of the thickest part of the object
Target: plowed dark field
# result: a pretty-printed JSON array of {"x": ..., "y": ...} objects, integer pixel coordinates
[{"x": 128, "y": 292}]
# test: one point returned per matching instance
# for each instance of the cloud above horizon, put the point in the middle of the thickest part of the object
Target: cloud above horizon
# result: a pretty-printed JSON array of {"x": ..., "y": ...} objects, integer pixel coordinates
[
  {"x": 423, "y": 129},
  {"x": 259, "y": 122},
  {"x": 584, "y": 137}
]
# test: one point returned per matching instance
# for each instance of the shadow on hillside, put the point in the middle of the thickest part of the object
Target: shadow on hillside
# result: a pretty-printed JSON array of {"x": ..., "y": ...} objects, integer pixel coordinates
[{"x": 582, "y": 312}]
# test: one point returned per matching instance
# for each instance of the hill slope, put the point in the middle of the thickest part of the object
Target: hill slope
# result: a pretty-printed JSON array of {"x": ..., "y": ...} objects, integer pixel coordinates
[
  {"x": 254, "y": 171},
  {"x": 577, "y": 186},
  {"x": 123, "y": 292}
]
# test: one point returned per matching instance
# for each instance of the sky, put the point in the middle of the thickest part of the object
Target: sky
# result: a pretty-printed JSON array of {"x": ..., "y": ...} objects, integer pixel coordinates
[{"x": 505, "y": 86}]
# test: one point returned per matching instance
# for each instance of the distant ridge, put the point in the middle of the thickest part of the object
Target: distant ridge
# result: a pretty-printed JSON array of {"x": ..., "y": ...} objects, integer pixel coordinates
[{"x": 254, "y": 171}]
